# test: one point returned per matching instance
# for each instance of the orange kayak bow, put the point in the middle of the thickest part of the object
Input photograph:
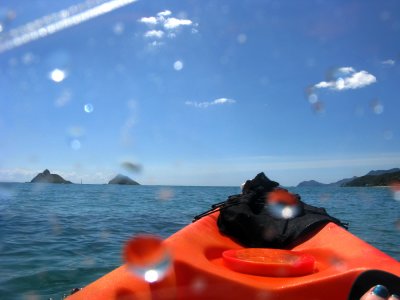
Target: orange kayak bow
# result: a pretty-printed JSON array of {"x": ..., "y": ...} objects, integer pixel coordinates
[{"x": 208, "y": 265}]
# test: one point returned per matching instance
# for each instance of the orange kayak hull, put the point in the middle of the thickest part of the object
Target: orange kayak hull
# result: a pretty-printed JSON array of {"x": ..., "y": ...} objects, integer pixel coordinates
[{"x": 199, "y": 271}]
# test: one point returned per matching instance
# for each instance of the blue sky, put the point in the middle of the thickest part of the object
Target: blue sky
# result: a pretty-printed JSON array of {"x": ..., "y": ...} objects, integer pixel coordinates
[{"x": 199, "y": 92}]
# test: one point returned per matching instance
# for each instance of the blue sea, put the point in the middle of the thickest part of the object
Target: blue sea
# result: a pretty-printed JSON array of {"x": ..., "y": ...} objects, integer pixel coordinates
[{"x": 54, "y": 238}]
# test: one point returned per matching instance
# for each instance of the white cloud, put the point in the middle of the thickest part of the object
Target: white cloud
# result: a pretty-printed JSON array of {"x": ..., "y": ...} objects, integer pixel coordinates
[
  {"x": 172, "y": 23},
  {"x": 324, "y": 84},
  {"x": 359, "y": 80},
  {"x": 164, "y": 13},
  {"x": 164, "y": 21},
  {"x": 206, "y": 104},
  {"x": 389, "y": 62},
  {"x": 154, "y": 34},
  {"x": 223, "y": 100},
  {"x": 347, "y": 79},
  {"x": 149, "y": 20},
  {"x": 346, "y": 70}
]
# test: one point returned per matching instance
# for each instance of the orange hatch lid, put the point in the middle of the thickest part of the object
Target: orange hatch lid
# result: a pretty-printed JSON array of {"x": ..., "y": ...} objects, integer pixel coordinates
[{"x": 269, "y": 262}]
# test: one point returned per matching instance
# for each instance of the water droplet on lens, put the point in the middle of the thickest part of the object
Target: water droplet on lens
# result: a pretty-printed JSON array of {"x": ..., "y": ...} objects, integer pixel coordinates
[
  {"x": 385, "y": 15},
  {"x": 75, "y": 144},
  {"x": 55, "y": 224},
  {"x": 242, "y": 38},
  {"x": 57, "y": 75},
  {"x": 119, "y": 28},
  {"x": 338, "y": 264},
  {"x": 397, "y": 224},
  {"x": 359, "y": 111},
  {"x": 318, "y": 107},
  {"x": 75, "y": 131},
  {"x": 166, "y": 194},
  {"x": 198, "y": 285},
  {"x": 310, "y": 62},
  {"x": 313, "y": 98},
  {"x": 88, "y": 108},
  {"x": 264, "y": 81},
  {"x": 224, "y": 59},
  {"x": 6, "y": 195},
  {"x": 281, "y": 211},
  {"x": 396, "y": 195},
  {"x": 340, "y": 83},
  {"x": 88, "y": 261},
  {"x": 377, "y": 107},
  {"x": 28, "y": 58},
  {"x": 32, "y": 297},
  {"x": 63, "y": 99},
  {"x": 395, "y": 186},
  {"x": 178, "y": 65},
  {"x": 147, "y": 257},
  {"x": 132, "y": 167},
  {"x": 388, "y": 135}
]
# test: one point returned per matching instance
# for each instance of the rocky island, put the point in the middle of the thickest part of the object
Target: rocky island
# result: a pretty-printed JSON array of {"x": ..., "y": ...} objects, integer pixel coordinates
[
  {"x": 121, "y": 179},
  {"x": 381, "y": 179},
  {"x": 47, "y": 177},
  {"x": 313, "y": 183},
  {"x": 372, "y": 178}
]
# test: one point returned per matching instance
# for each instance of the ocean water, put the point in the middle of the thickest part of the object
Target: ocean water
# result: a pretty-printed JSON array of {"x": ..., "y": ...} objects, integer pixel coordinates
[{"x": 54, "y": 238}]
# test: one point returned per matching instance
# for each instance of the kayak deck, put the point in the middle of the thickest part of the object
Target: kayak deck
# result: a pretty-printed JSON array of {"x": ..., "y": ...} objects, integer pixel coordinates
[{"x": 199, "y": 272}]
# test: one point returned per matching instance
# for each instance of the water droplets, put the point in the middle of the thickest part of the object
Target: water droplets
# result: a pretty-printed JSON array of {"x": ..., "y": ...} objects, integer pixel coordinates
[
  {"x": 28, "y": 58},
  {"x": 75, "y": 144},
  {"x": 395, "y": 187},
  {"x": 131, "y": 167},
  {"x": 377, "y": 107},
  {"x": 282, "y": 211},
  {"x": 241, "y": 38},
  {"x": 88, "y": 108},
  {"x": 178, "y": 65},
  {"x": 119, "y": 28},
  {"x": 314, "y": 100},
  {"x": 63, "y": 99},
  {"x": 57, "y": 75},
  {"x": 340, "y": 83},
  {"x": 166, "y": 194},
  {"x": 338, "y": 264},
  {"x": 397, "y": 224},
  {"x": 6, "y": 17},
  {"x": 198, "y": 285},
  {"x": 75, "y": 133},
  {"x": 283, "y": 205},
  {"x": 385, "y": 16},
  {"x": 388, "y": 135},
  {"x": 6, "y": 195},
  {"x": 147, "y": 257}
]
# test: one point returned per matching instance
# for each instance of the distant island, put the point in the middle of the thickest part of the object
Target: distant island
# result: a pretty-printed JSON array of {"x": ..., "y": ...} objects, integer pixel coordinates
[
  {"x": 384, "y": 179},
  {"x": 313, "y": 183},
  {"x": 372, "y": 178},
  {"x": 121, "y": 179},
  {"x": 47, "y": 177}
]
